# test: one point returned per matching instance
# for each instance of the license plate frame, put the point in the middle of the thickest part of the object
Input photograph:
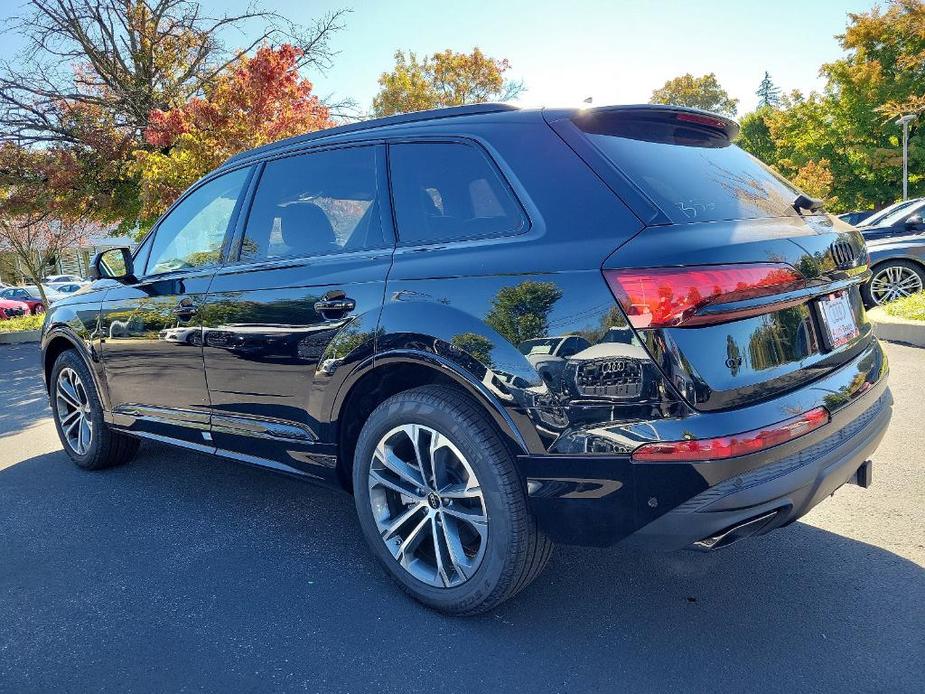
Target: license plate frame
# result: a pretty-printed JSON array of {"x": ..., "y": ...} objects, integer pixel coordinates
[{"x": 839, "y": 323}]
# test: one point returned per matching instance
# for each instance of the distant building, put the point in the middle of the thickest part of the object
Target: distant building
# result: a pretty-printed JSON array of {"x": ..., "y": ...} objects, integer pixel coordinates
[{"x": 74, "y": 261}]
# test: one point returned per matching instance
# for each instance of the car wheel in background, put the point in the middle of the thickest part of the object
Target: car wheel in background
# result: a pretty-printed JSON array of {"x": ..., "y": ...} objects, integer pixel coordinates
[
  {"x": 441, "y": 504},
  {"x": 893, "y": 280},
  {"x": 78, "y": 416}
]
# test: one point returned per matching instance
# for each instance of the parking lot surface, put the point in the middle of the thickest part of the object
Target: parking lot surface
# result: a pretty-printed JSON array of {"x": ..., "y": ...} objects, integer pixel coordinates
[{"x": 179, "y": 572}]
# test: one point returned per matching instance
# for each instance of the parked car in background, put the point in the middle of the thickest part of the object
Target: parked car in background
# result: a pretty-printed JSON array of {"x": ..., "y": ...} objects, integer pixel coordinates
[
  {"x": 23, "y": 294},
  {"x": 363, "y": 307},
  {"x": 52, "y": 279},
  {"x": 12, "y": 309},
  {"x": 856, "y": 218},
  {"x": 67, "y": 287},
  {"x": 897, "y": 254},
  {"x": 877, "y": 218}
]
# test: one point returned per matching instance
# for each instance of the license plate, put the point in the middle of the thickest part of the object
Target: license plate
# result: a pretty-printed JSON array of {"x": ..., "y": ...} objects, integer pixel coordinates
[{"x": 838, "y": 319}]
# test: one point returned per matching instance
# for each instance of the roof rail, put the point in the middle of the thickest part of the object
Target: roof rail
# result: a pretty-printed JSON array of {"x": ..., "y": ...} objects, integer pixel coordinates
[{"x": 416, "y": 116}]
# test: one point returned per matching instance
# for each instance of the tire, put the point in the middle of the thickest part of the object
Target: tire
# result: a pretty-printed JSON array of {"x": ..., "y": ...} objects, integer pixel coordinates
[
  {"x": 38, "y": 310},
  {"x": 104, "y": 447},
  {"x": 909, "y": 269},
  {"x": 510, "y": 554}
]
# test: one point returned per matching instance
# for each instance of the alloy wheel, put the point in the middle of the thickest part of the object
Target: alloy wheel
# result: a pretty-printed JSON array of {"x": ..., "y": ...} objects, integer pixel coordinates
[
  {"x": 73, "y": 411},
  {"x": 894, "y": 282},
  {"x": 428, "y": 505}
]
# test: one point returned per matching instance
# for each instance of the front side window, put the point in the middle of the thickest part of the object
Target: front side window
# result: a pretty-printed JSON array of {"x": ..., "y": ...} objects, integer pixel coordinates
[
  {"x": 191, "y": 236},
  {"x": 449, "y": 191},
  {"x": 315, "y": 204}
]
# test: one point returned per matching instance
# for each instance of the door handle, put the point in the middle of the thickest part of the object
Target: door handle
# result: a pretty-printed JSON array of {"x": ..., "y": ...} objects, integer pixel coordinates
[
  {"x": 335, "y": 302},
  {"x": 185, "y": 311}
]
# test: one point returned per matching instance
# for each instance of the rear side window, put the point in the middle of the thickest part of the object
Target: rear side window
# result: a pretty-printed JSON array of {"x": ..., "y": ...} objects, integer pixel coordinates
[
  {"x": 449, "y": 191},
  {"x": 315, "y": 204},
  {"x": 693, "y": 173}
]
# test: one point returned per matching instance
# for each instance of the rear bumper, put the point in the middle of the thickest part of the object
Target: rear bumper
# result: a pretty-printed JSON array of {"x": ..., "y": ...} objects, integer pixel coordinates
[
  {"x": 774, "y": 495},
  {"x": 601, "y": 500}
]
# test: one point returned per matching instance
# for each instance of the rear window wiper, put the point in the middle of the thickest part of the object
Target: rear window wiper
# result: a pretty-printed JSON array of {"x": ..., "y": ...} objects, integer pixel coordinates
[{"x": 804, "y": 202}]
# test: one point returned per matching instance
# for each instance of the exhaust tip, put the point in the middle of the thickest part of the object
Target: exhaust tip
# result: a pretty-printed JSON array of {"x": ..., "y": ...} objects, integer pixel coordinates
[{"x": 735, "y": 533}]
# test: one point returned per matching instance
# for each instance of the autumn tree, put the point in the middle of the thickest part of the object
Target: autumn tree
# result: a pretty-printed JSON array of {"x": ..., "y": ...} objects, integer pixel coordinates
[
  {"x": 702, "y": 92},
  {"x": 443, "y": 79},
  {"x": 768, "y": 93},
  {"x": 92, "y": 71},
  {"x": 256, "y": 101},
  {"x": 843, "y": 138}
]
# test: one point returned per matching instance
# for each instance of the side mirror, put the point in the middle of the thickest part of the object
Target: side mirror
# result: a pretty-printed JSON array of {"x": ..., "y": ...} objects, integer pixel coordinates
[
  {"x": 914, "y": 222},
  {"x": 115, "y": 264}
]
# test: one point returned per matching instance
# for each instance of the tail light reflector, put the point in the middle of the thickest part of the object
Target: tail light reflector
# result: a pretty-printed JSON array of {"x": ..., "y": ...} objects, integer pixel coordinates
[
  {"x": 664, "y": 297},
  {"x": 693, "y": 450}
]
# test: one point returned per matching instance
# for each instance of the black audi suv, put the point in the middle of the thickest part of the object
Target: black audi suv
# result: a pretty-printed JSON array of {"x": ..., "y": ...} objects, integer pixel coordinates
[{"x": 498, "y": 329}]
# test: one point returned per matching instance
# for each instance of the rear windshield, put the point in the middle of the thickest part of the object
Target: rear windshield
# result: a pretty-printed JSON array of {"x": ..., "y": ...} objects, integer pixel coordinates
[{"x": 693, "y": 173}]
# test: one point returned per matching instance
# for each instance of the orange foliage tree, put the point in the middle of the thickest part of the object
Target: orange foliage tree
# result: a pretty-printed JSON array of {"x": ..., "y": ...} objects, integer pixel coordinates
[{"x": 258, "y": 100}]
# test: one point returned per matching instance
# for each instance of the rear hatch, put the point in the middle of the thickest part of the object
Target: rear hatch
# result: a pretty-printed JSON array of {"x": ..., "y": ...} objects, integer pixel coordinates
[{"x": 741, "y": 288}]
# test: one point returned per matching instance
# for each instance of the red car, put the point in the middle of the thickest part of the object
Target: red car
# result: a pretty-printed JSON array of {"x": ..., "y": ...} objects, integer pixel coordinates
[
  {"x": 13, "y": 309},
  {"x": 20, "y": 295}
]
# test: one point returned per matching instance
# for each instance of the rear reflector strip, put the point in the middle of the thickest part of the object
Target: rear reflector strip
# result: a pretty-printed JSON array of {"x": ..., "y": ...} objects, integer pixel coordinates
[
  {"x": 693, "y": 450},
  {"x": 666, "y": 297}
]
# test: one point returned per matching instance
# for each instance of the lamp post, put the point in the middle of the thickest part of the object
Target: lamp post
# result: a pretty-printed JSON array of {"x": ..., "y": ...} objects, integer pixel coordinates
[{"x": 904, "y": 121}]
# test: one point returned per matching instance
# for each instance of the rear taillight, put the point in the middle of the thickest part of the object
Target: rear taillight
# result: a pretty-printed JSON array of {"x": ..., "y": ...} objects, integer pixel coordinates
[
  {"x": 664, "y": 297},
  {"x": 693, "y": 450}
]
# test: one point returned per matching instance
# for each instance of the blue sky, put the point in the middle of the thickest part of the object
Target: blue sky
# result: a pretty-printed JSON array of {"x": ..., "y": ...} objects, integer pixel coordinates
[{"x": 565, "y": 51}]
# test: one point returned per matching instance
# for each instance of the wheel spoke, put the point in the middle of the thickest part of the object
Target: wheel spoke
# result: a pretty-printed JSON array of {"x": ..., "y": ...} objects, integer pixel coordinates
[
  {"x": 402, "y": 551},
  {"x": 400, "y": 485},
  {"x": 422, "y": 454},
  {"x": 475, "y": 518},
  {"x": 393, "y": 525},
  {"x": 461, "y": 491},
  {"x": 84, "y": 440},
  {"x": 69, "y": 419},
  {"x": 68, "y": 394},
  {"x": 386, "y": 455},
  {"x": 454, "y": 546},
  {"x": 438, "y": 539}
]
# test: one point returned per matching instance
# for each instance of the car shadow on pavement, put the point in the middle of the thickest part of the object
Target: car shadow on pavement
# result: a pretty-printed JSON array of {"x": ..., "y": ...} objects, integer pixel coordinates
[
  {"x": 183, "y": 572},
  {"x": 23, "y": 399}
]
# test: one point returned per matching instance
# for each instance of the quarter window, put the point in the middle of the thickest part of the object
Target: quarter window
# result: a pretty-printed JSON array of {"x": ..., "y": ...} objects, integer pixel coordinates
[
  {"x": 191, "y": 236},
  {"x": 448, "y": 191},
  {"x": 315, "y": 204}
]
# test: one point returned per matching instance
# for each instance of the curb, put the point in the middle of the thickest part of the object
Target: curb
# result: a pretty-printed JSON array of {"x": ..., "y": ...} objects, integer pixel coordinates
[
  {"x": 892, "y": 329},
  {"x": 21, "y": 337}
]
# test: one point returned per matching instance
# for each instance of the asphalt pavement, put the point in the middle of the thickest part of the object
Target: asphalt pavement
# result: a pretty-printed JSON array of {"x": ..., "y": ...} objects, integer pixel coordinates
[{"x": 179, "y": 572}]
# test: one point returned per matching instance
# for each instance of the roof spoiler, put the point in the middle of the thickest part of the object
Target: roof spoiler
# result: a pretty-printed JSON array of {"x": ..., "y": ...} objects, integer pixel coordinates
[{"x": 663, "y": 113}]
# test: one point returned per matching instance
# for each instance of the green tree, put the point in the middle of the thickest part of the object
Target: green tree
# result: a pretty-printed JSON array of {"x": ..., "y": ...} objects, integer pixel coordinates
[
  {"x": 443, "y": 79},
  {"x": 768, "y": 93},
  {"x": 702, "y": 92},
  {"x": 755, "y": 135}
]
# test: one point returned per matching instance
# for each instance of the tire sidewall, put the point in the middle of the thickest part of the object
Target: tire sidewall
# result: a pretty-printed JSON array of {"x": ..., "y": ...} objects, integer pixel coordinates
[
  {"x": 70, "y": 359},
  {"x": 498, "y": 554}
]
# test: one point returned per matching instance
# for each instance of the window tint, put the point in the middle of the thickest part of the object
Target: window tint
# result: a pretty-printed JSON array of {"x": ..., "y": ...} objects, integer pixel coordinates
[
  {"x": 315, "y": 204},
  {"x": 692, "y": 173},
  {"x": 191, "y": 236},
  {"x": 447, "y": 191}
]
